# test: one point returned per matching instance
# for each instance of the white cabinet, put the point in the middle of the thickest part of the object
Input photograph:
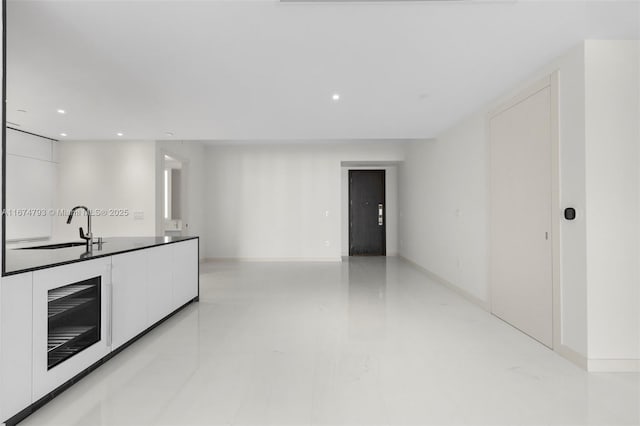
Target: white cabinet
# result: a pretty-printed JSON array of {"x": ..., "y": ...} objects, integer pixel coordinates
[
  {"x": 47, "y": 379},
  {"x": 15, "y": 344},
  {"x": 185, "y": 272},
  {"x": 31, "y": 177},
  {"x": 30, "y": 185},
  {"x": 160, "y": 282},
  {"x": 150, "y": 284},
  {"x": 130, "y": 295},
  {"x": 31, "y": 146},
  {"x": 136, "y": 290}
]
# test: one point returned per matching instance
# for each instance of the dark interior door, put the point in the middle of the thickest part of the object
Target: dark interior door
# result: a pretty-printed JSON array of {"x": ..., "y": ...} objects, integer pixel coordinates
[{"x": 367, "y": 221}]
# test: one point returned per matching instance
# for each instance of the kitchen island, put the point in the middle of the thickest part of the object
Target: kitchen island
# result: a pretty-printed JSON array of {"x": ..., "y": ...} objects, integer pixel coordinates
[{"x": 65, "y": 311}]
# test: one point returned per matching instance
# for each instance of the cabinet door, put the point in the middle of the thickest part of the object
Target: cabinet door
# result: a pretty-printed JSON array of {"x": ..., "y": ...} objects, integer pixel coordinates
[
  {"x": 129, "y": 279},
  {"x": 44, "y": 379},
  {"x": 185, "y": 272},
  {"x": 30, "y": 185},
  {"x": 160, "y": 292},
  {"x": 15, "y": 346}
]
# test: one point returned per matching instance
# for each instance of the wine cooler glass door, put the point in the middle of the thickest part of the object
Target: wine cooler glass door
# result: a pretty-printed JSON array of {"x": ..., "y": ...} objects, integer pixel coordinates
[
  {"x": 70, "y": 321},
  {"x": 73, "y": 315}
]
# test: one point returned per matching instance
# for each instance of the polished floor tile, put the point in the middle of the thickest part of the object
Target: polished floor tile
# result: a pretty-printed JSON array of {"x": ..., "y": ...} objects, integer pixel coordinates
[{"x": 370, "y": 341}]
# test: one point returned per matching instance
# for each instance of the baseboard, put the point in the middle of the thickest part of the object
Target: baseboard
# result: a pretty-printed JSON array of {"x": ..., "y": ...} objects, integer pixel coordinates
[
  {"x": 599, "y": 365},
  {"x": 391, "y": 254},
  {"x": 572, "y": 356},
  {"x": 273, "y": 259},
  {"x": 435, "y": 277},
  {"x": 614, "y": 365}
]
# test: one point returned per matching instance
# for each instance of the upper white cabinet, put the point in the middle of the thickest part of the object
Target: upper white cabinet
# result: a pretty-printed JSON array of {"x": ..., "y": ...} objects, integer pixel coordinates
[
  {"x": 27, "y": 145},
  {"x": 15, "y": 344},
  {"x": 130, "y": 280},
  {"x": 31, "y": 184},
  {"x": 185, "y": 272}
]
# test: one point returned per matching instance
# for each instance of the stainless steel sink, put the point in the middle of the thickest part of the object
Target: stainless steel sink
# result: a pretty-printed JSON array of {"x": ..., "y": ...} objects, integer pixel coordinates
[{"x": 55, "y": 246}]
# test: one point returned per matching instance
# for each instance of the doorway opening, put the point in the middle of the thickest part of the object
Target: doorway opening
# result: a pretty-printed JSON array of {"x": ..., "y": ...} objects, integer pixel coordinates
[{"x": 173, "y": 180}]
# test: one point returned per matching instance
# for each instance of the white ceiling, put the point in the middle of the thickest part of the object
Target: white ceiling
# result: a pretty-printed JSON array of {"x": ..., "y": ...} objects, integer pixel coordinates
[{"x": 266, "y": 70}]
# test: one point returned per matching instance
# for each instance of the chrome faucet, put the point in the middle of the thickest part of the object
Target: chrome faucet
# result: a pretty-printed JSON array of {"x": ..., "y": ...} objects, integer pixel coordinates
[{"x": 88, "y": 237}]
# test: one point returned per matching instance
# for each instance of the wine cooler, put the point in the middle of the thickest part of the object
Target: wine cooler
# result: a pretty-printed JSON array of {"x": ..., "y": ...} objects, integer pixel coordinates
[
  {"x": 73, "y": 314},
  {"x": 71, "y": 321}
]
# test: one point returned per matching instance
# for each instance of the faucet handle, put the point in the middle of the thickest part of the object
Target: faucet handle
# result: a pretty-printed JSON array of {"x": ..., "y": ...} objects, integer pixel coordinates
[{"x": 82, "y": 235}]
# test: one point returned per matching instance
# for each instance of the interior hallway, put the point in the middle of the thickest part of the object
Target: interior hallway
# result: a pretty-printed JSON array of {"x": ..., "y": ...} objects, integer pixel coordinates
[{"x": 365, "y": 341}]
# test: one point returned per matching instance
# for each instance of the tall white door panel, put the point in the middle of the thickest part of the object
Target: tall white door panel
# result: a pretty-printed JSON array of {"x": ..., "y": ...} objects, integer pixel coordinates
[{"x": 521, "y": 191}]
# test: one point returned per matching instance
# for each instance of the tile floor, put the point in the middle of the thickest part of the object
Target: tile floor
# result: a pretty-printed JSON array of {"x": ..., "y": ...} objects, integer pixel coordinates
[{"x": 368, "y": 341}]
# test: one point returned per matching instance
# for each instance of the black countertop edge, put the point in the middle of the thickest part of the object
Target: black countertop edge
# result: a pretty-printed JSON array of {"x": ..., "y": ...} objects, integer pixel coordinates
[{"x": 98, "y": 256}]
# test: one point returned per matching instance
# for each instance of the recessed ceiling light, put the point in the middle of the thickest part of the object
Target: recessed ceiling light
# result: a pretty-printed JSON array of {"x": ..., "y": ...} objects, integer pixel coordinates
[
  {"x": 120, "y": 134},
  {"x": 336, "y": 96},
  {"x": 63, "y": 134},
  {"x": 61, "y": 111},
  {"x": 168, "y": 133}
]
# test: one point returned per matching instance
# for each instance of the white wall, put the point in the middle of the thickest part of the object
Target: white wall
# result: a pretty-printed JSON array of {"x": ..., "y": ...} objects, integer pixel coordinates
[
  {"x": 444, "y": 200},
  {"x": 573, "y": 239},
  {"x": 613, "y": 201},
  {"x": 391, "y": 206},
  {"x": 192, "y": 155},
  {"x": 281, "y": 201},
  {"x": 443, "y": 217},
  {"x": 107, "y": 175}
]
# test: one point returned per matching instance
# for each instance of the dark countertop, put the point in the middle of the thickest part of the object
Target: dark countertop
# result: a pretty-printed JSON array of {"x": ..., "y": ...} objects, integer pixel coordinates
[{"x": 18, "y": 261}]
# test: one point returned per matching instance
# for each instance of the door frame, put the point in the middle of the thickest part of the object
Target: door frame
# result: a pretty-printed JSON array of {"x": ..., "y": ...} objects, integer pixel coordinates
[
  {"x": 550, "y": 82},
  {"x": 184, "y": 193},
  {"x": 384, "y": 203}
]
